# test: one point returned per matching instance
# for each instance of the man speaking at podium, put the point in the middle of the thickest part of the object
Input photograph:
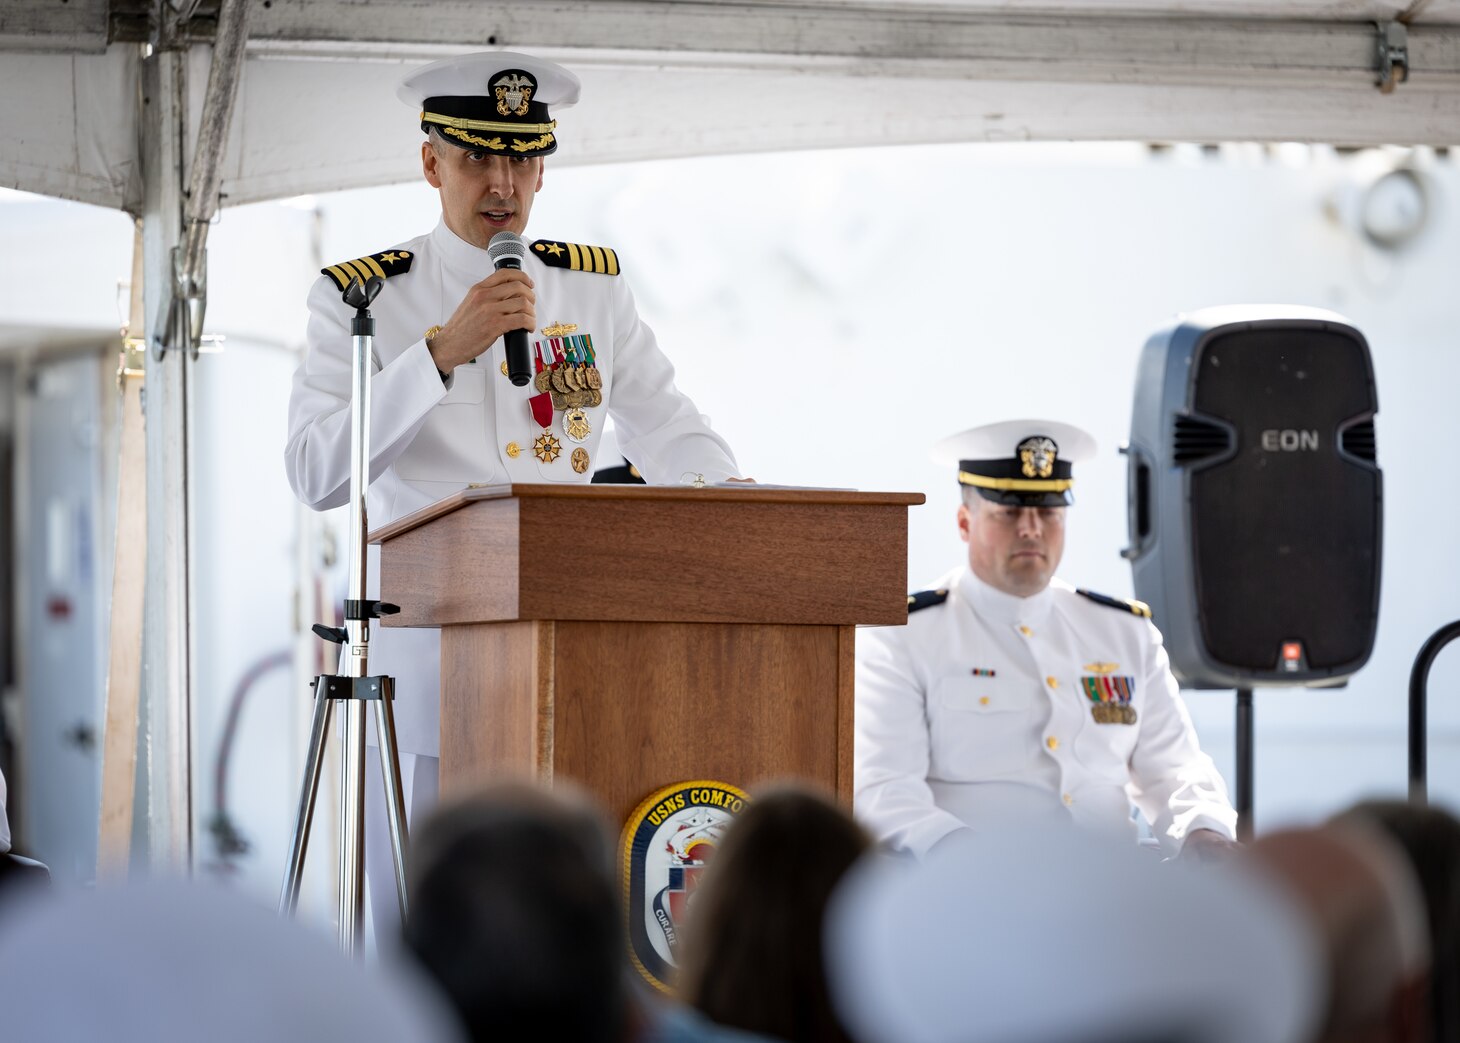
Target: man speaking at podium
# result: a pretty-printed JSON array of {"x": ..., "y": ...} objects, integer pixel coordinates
[
  {"x": 1011, "y": 698},
  {"x": 445, "y": 413}
]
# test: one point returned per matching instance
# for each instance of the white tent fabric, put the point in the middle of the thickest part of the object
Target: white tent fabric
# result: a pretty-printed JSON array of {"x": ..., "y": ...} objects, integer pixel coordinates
[{"x": 316, "y": 110}]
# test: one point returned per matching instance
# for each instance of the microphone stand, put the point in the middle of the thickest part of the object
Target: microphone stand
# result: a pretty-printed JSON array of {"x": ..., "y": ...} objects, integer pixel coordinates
[{"x": 353, "y": 686}]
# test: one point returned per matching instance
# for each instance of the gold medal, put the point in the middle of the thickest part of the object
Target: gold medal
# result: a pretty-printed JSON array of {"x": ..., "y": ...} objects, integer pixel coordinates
[
  {"x": 574, "y": 378},
  {"x": 595, "y": 398},
  {"x": 560, "y": 383},
  {"x": 595, "y": 378},
  {"x": 547, "y": 448},
  {"x": 543, "y": 381},
  {"x": 576, "y": 427},
  {"x": 580, "y": 460}
]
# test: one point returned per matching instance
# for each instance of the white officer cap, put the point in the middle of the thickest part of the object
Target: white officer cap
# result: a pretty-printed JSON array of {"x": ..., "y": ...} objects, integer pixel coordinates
[
  {"x": 492, "y": 101},
  {"x": 1019, "y": 463},
  {"x": 1067, "y": 938},
  {"x": 175, "y": 961}
]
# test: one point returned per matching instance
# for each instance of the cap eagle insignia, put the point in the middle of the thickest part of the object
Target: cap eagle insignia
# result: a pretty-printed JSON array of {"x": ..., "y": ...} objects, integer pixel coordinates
[
  {"x": 1037, "y": 456},
  {"x": 513, "y": 91}
]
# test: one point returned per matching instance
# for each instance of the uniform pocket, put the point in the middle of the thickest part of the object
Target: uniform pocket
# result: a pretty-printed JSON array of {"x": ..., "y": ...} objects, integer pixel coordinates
[
  {"x": 468, "y": 384},
  {"x": 980, "y": 731}
]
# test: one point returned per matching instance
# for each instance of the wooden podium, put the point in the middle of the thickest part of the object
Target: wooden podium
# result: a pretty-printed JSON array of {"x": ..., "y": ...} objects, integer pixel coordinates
[{"x": 630, "y": 637}]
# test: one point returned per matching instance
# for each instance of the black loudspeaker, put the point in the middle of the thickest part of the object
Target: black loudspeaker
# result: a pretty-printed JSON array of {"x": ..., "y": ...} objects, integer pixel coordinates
[{"x": 1255, "y": 499}]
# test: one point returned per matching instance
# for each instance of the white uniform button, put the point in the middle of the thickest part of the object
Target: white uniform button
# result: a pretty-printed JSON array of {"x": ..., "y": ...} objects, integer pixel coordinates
[
  {"x": 1067, "y": 799},
  {"x": 1052, "y": 743},
  {"x": 983, "y": 700},
  {"x": 1026, "y": 631},
  {"x": 1052, "y": 681}
]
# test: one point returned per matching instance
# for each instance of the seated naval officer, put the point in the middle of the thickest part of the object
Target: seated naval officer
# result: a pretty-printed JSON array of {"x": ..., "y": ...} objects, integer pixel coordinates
[
  {"x": 1010, "y": 697},
  {"x": 444, "y": 412}
]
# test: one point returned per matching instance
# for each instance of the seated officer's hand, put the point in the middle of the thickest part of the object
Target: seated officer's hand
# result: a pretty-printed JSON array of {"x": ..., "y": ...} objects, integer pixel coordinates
[
  {"x": 500, "y": 303},
  {"x": 1207, "y": 845}
]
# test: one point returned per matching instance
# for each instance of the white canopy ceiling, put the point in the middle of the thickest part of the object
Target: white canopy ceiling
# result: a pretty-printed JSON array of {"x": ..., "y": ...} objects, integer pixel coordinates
[{"x": 316, "y": 109}]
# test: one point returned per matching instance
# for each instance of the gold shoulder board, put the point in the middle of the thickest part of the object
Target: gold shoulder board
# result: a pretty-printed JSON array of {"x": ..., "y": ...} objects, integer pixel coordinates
[
  {"x": 391, "y": 262},
  {"x": 576, "y": 257}
]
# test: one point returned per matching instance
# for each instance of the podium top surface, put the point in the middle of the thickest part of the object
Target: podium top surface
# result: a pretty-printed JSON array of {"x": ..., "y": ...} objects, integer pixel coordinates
[
  {"x": 759, "y": 555},
  {"x": 718, "y": 494}
]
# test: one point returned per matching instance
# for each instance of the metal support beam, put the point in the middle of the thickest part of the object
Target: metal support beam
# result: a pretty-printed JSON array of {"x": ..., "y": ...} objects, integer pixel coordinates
[
  {"x": 870, "y": 39},
  {"x": 167, "y": 641}
]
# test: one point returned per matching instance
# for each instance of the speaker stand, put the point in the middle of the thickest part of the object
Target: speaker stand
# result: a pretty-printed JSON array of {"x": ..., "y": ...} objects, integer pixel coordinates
[{"x": 1244, "y": 764}]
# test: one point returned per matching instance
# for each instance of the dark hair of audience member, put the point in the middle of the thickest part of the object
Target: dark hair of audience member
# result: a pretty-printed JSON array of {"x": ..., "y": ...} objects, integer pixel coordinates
[
  {"x": 1430, "y": 838},
  {"x": 752, "y": 951},
  {"x": 513, "y": 910}
]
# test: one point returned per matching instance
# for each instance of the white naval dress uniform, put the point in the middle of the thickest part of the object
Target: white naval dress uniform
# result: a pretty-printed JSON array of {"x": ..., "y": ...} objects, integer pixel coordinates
[
  {"x": 975, "y": 713},
  {"x": 429, "y": 440}
]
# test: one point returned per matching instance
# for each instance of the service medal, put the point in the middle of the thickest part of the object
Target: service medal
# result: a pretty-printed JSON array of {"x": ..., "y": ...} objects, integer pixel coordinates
[
  {"x": 544, "y": 380},
  {"x": 576, "y": 428},
  {"x": 560, "y": 381},
  {"x": 595, "y": 378},
  {"x": 547, "y": 448}
]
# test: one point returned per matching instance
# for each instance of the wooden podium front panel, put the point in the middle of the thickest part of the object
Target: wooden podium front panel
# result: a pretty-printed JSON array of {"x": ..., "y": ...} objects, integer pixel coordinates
[
  {"x": 626, "y": 708},
  {"x": 496, "y": 703},
  {"x": 640, "y": 706}
]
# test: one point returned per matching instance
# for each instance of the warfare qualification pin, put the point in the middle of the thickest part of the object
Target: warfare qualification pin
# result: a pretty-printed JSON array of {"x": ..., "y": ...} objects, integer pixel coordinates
[{"x": 580, "y": 459}]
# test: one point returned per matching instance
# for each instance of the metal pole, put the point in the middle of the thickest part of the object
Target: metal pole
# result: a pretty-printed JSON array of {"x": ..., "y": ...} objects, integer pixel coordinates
[
  {"x": 353, "y": 684},
  {"x": 299, "y": 846},
  {"x": 357, "y": 646},
  {"x": 167, "y": 615},
  {"x": 395, "y": 801},
  {"x": 1244, "y": 764},
  {"x": 1419, "y": 679}
]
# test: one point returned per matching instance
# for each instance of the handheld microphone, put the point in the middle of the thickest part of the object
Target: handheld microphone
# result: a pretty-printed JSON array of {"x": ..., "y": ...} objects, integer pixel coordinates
[{"x": 507, "y": 251}]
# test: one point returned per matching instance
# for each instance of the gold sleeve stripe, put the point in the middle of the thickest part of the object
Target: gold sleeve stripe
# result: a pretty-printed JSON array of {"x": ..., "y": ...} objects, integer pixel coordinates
[
  {"x": 600, "y": 260},
  {"x": 355, "y": 268},
  {"x": 1018, "y": 485},
  {"x": 339, "y": 276},
  {"x": 612, "y": 261},
  {"x": 374, "y": 266},
  {"x": 575, "y": 259}
]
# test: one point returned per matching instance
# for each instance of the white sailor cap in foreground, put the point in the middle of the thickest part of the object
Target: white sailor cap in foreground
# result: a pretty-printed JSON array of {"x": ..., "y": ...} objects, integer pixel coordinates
[
  {"x": 1019, "y": 463},
  {"x": 1068, "y": 937},
  {"x": 492, "y": 101}
]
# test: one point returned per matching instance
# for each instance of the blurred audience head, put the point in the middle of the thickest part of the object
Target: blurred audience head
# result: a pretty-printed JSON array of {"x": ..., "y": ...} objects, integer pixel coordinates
[
  {"x": 513, "y": 910},
  {"x": 1430, "y": 839},
  {"x": 1068, "y": 937},
  {"x": 1365, "y": 907},
  {"x": 172, "y": 961},
  {"x": 752, "y": 951}
]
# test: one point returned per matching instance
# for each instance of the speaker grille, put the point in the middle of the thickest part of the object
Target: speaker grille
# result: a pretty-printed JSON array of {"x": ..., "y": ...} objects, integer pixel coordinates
[
  {"x": 1194, "y": 440},
  {"x": 1359, "y": 441},
  {"x": 1285, "y": 533}
]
